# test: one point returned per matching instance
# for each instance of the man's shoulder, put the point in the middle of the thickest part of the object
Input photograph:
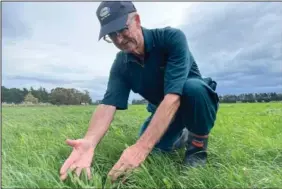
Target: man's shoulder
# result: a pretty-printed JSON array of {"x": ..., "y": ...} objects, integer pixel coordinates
[
  {"x": 119, "y": 56},
  {"x": 166, "y": 35},
  {"x": 166, "y": 31},
  {"x": 119, "y": 63}
]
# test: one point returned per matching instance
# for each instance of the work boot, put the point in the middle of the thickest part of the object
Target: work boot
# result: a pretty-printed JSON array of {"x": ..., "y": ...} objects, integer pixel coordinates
[
  {"x": 182, "y": 140},
  {"x": 196, "y": 150}
]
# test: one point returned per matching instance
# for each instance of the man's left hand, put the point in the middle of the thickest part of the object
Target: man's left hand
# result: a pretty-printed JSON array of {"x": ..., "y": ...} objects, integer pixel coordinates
[{"x": 130, "y": 159}]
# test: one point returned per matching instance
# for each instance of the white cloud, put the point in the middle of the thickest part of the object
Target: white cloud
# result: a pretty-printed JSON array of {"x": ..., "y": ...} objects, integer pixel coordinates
[{"x": 161, "y": 14}]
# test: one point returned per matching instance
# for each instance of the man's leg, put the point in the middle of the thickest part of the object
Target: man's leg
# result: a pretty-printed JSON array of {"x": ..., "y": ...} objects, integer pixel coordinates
[
  {"x": 197, "y": 113},
  {"x": 173, "y": 132},
  {"x": 199, "y": 106}
]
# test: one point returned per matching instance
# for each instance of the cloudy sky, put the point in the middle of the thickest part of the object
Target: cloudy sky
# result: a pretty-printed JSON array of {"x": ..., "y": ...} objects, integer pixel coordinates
[{"x": 55, "y": 44}]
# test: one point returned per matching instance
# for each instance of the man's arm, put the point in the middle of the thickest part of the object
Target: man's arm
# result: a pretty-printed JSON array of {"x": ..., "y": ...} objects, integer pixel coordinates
[
  {"x": 83, "y": 150},
  {"x": 99, "y": 123},
  {"x": 115, "y": 98},
  {"x": 177, "y": 69},
  {"x": 160, "y": 122}
]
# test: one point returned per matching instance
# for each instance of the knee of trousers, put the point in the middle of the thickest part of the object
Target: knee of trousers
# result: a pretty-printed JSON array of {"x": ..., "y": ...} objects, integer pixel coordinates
[
  {"x": 198, "y": 105},
  {"x": 199, "y": 90},
  {"x": 194, "y": 88}
]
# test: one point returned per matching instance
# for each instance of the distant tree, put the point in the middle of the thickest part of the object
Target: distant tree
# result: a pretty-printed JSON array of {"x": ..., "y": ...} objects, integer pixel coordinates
[
  {"x": 97, "y": 102},
  {"x": 25, "y": 91},
  {"x": 273, "y": 97},
  {"x": 86, "y": 97},
  {"x": 4, "y": 94},
  {"x": 29, "y": 98},
  {"x": 229, "y": 98},
  {"x": 44, "y": 96},
  {"x": 241, "y": 97},
  {"x": 279, "y": 97},
  {"x": 220, "y": 98},
  {"x": 142, "y": 101},
  {"x": 15, "y": 95},
  {"x": 249, "y": 98},
  {"x": 41, "y": 94},
  {"x": 58, "y": 96},
  {"x": 69, "y": 96}
]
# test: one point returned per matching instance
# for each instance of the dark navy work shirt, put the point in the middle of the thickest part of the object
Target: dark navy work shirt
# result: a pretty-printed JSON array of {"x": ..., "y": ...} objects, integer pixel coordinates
[{"x": 167, "y": 64}]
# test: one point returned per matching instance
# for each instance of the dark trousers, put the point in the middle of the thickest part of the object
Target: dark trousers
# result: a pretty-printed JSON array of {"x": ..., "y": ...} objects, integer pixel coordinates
[{"x": 197, "y": 112}]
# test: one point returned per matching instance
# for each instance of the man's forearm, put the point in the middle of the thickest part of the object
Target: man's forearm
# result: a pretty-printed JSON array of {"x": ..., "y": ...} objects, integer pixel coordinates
[
  {"x": 160, "y": 122},
  {"x": 99, "y": 123}
]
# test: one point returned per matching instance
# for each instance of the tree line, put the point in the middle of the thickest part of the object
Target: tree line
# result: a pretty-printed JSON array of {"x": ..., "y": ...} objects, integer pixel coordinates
[
  {"x": 251, "y": 97},
  {"x": 245, "y": 97},
  {"x": 57, "y": 96},
  {"x": 71, "y": 96}
]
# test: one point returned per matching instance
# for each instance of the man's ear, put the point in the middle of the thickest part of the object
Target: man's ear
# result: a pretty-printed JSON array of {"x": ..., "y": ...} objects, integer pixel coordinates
[{"x": 138, "y": 20}]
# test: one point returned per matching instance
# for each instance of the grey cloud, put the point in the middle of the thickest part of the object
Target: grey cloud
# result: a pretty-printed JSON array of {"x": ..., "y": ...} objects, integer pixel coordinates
[
  {"x": 238, "y": 44},
  {"x": 42, "y": 79}
]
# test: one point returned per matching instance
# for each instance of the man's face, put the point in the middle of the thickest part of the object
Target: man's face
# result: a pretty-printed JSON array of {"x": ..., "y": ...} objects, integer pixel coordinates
[{"x": 128, "y": 39}]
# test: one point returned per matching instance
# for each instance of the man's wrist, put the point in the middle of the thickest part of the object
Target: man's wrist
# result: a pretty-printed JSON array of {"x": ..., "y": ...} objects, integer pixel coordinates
[
  {"x": 147, "y": 147},
  {"x": 90, "y": 140}
]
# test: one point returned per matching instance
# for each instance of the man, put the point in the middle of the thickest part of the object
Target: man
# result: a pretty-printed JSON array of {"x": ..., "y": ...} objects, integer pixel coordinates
[{"x": 157, "y": 64}]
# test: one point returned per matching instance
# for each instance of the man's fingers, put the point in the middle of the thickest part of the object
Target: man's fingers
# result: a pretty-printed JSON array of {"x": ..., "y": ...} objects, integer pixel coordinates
[
  {"x": 116, "y": 172},
  {"x": 66, "y": 165},
  {"x": 72, "y": 158},
  {"x": 78, "y": 171},
  {"x": 127, "y": 172},
  {"x": 63, "y": 176},
  {"x": 72, "y": 167},
  {"x": 88, "y": 173},
  {"x": 114, "y": 168}
]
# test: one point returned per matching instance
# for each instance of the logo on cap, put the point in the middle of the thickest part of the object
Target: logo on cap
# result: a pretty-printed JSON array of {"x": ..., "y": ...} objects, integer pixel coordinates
[{"x": 104, "y": 13}]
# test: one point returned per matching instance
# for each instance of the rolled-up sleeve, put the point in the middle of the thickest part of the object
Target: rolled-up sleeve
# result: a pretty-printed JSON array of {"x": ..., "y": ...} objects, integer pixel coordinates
[
  {"x": 178, "y": 63},
  {"x": 117, "y": 92}
]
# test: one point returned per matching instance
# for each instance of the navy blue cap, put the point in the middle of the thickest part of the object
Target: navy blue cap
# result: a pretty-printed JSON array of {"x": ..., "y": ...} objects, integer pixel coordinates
[{"x": 113, "y": 15}]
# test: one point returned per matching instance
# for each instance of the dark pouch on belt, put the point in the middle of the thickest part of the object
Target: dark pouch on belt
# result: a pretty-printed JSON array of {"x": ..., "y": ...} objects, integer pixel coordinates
[{"x": 210, "y": 82}]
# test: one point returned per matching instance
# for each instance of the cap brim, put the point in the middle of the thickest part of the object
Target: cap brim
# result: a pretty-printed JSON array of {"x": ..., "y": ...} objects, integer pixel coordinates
[{"x": 112, "y": 26}]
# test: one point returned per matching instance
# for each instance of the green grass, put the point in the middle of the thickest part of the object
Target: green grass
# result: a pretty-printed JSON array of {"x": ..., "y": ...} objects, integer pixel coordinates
[{"x": 245, "y": 149}]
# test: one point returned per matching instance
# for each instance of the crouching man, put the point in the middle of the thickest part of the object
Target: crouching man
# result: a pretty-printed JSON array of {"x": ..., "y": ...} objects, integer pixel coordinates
[{"x": 158, "y": 65}]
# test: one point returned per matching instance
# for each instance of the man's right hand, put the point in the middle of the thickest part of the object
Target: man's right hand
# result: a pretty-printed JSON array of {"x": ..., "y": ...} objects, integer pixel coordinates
[{"x": 79, "y": 159}]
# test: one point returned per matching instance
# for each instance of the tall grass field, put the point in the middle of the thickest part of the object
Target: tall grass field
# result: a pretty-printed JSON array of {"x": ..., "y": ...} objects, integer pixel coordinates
[{"x": 245, "y": 149}]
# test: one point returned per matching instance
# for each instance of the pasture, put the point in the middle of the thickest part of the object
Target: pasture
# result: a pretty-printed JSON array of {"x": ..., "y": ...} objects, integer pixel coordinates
[{"x": 245, "y": 149}]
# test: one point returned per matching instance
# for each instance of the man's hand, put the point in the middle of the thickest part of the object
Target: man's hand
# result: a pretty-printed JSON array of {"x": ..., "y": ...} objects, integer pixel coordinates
[
  {"x": 130, "y": 159},
  {"x": 134, "y": 155},
  {"x": 80, "y": 158}
]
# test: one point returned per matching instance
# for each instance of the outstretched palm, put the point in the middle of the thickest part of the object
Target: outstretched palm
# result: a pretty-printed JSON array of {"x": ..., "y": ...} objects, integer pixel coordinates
[{"x": 80, "y": 158}]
